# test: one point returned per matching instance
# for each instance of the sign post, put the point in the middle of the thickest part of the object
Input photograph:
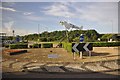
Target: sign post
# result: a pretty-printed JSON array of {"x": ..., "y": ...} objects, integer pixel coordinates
[
  {"x": 74, "y": 55},
  {"x": 89, "y": 53},
  {"x": 81, "y": 53},
  {"x": 80, "y": 47}
]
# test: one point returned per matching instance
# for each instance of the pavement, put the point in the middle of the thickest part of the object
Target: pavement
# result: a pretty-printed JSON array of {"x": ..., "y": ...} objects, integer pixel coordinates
[
  {"x": 103, "y": 69},
  {"x": 36, "y": 64}
]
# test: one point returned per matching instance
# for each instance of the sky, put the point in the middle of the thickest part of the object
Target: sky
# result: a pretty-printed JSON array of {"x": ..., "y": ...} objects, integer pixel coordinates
[{"x": 25, "y": 17}]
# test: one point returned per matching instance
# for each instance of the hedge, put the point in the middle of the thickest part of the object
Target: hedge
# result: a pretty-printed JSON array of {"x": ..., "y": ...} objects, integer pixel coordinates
[
  {"x": 106, "y": 44},
  {"x": 18, "y": 46},
  {"x": 47, "y": 45},
  {"x": 43, "y": 45},
  {"x": 35, "y": 46},
  {"x": 68, "y": 46},
  {"x": 59, "y": 45},
  {"x": 7, "y": 46}
]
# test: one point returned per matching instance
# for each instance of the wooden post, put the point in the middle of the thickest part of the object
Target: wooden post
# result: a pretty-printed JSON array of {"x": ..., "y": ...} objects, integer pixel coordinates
[
  {"x": 81, "y": 55},
  {"x": 89, "y": 53},
  {"x": 73, "y": 55}
]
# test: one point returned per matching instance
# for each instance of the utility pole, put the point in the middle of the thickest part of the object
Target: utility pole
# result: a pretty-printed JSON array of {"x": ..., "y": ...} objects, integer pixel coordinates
[
  {"x": 13, "y": 34},
  {"x": 112, "y": 26},
  {"x": 38, "y": 34}
]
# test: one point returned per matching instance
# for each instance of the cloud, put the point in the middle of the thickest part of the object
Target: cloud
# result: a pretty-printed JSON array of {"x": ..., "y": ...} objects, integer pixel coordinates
[
  {"x": 31, "y": 16},
  {"x": 34, "y": 18},
  {"x": 99, "y": 15},
  {"x": 58, "y": 9},
  {"x": 8, "y": 26},
  {"x": 8, "y": 9},
  {"x": 98, "y": 12},
  {"x": 28, "y": 13},
  {"x": 10, "y": 4}
]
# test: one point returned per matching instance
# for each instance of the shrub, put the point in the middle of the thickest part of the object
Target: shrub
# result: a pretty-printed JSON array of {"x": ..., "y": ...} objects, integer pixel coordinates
[
  {"x": 67, "y": 46},
  {"x": 30, "y": 46},
  {"x": 18, "y": 46},
  {"x": 47, "y": 45},
  {"x": 36, "y": 45},
  {"x": 59, "y": 45},
  {"x": 7, "y": 46},
  {"x": 106, "y": 44}
]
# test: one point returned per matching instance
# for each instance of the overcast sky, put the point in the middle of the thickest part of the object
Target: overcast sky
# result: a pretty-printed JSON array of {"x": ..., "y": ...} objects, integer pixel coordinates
[{"x": 24, "y": 17}]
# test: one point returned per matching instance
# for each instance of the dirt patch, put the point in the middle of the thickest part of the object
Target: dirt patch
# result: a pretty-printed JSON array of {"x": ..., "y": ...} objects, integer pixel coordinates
[{"x": 41, "y": 55}]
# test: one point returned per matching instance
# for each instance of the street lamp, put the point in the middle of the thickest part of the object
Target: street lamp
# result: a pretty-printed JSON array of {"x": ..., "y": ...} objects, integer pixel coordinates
[
  {"x": 112, "y": 25},
  {"x": 13, "y": 34},
  {"x": 38, "y": 32}
]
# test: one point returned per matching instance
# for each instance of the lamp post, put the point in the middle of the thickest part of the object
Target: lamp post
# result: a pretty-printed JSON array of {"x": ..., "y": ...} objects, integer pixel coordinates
[
  {"x": 13, "y": 34},
  {"x": 112, "y": 25},
  {"x": 38, "y": 32},
  {"x": 112, "y": 28}
]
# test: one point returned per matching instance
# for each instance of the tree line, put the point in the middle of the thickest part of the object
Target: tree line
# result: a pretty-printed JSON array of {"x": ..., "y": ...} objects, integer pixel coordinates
[{"x": 73, "y": 36}]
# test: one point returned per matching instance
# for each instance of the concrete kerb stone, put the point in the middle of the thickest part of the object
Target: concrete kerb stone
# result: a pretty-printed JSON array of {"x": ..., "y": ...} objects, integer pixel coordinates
[
  {"x": 7, "y": 63},
  {"x": 11, "y": 64},
  {"x": 26, "y": 68}
]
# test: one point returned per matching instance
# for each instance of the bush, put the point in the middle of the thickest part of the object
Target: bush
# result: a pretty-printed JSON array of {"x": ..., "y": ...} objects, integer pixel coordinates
[
  {"x": 36, "y": 45},
  {"x": 106, "y": 44},
  {"x": 47, "y": 45},
  {"x": 18, "y": 46},
  {"x": 67, "y": 46},
  {"x": 30, "y": 46},
  {"x": 6, "y": 46}
]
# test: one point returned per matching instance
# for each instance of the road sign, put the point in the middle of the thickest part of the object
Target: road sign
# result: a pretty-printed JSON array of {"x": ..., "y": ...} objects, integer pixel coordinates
[
  {"x": 17, "y": 39},
  {"x": 81, "y": 38},
  {"x": 78, "y": 47}
]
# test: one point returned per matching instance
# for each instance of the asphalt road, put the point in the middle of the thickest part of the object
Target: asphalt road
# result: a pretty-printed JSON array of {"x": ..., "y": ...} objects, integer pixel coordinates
[{"x": 57, "y": 75}]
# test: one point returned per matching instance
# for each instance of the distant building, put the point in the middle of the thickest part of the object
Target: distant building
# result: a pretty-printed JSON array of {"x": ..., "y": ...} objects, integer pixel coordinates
[
  {"x": 118, "y": 37},
  {"x": 2, "y": 38},
  {"x": 115, "y": 37}
]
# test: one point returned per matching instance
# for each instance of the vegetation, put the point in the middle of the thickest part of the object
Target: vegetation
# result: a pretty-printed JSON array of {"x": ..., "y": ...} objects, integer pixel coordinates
[
  {"x": 60, "y": 36},
  {"x": 47, "y": 45},
  {"x": 106, "y": 44},
  {"x": 89, "y": 36},
  {"x": 68, "y": 46},
  {"x": 18, "y": 46},
  {"x": 35, "y": 46}
]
